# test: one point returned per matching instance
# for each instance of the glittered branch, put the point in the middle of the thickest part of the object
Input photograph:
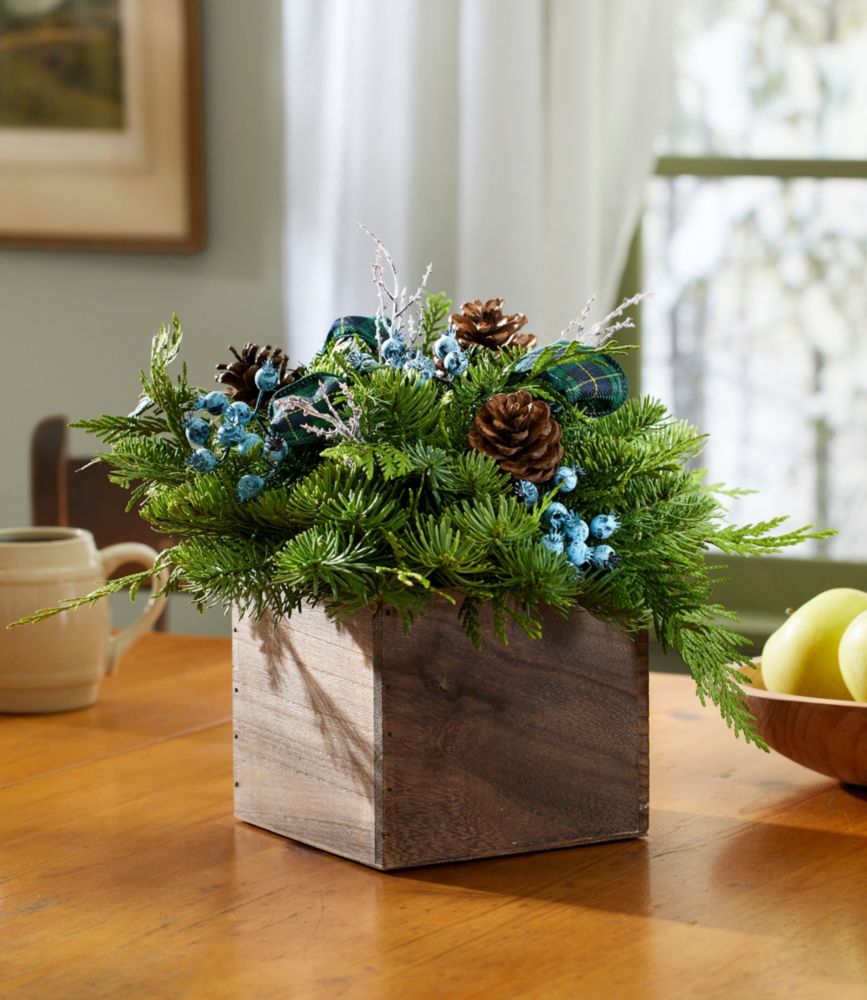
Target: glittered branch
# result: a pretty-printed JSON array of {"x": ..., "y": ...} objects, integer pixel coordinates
[
  {"x": 338, "y": 427},
  {"x": 576, "y": 327},
  {"x": 600, "y": 333},
  {"x": 395, "y": 306}
]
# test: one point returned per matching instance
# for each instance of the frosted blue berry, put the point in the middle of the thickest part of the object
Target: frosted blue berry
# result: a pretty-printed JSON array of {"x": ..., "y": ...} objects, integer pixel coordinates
[
  {"x": 362, "y": 362},
  {"x": 249, "y": 486},
  {"x": 239, "y": 413},
  {"x": 566, "y": 478},
  {"x": 197, "y": 430},
  {"x": 455, "y": 363},
  {"x": 555, "y": 516},
  {"x": 231, "y": 434},
  {"x": 393, "y": 351},
  {"x": 275, "y": 450},
  {"x": 604, "y": 525},
  {"x": 575, "y": 529},
  {"x": 421, "y": 365},
  {"x": 249, "y": 443},
  {"x": 577, "y": 553},
  {"x": 603, "y": 557},
  {"x": 446, "y": 345},
  {"x": 526, "y": 491},
  {"x": 203, "y": 460},
  {"x": 214, "y": 402},
  {"x": 553, "y": 541},
  {"x": 267, "y": 377}
]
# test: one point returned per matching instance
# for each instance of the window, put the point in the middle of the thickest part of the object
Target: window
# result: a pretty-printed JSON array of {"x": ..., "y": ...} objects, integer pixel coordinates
[{"x": 754, "y": 241}]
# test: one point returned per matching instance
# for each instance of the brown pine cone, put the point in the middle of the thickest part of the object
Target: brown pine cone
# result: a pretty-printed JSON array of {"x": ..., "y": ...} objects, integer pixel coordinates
[
  {"x": 519, "y": 434},
  {"x": 240, "y": 375},
  {"x": 484, "y": 323}
]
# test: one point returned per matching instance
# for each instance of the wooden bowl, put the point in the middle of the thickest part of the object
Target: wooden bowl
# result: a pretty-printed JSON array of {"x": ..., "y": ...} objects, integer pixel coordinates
[{"x": 824, "y": 734}]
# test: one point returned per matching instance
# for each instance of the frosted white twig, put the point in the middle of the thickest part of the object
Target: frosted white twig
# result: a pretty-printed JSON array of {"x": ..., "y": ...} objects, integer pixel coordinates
[
  {"x": 338, "y": 427},
  {"x": 600, "y": 333},
  {"x": 576, "y": 326},
  {"x": 397, "y": 312}
]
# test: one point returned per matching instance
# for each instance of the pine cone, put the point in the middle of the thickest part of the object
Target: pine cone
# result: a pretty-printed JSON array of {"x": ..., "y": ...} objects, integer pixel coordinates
[
  {"x": 484, "y": 323},
  {"x": 519, "y": 434},
  {"x": 240, "y": 375}
]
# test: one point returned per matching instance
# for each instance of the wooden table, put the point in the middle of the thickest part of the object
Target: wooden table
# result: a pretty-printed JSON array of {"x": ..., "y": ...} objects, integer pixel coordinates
[{"x": 123, "y": 873}]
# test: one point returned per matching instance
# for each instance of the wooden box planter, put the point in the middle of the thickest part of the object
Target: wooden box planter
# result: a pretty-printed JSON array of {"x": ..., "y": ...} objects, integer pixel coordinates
[{"x": 398, "y": 750}]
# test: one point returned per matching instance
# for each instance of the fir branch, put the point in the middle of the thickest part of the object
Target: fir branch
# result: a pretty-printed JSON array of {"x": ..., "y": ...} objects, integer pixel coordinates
[
  {"x": 325, "y": 562},
  {"x": 396, "y": 410},
  {"x": 472, "y": 475},
  {"x": 152, "y": 461},
  {"x": 233, "y": 571},
  {"x": 436, "y": 546},
  {"x": 115, "y": 430},
  {"x": 470, "y": 617}
]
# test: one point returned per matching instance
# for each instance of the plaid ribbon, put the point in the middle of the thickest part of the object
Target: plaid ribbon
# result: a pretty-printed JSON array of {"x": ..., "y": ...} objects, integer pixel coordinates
[
  {"x": 597, "y": 384},
  {"x": 316, "y": 388},
  {"x": 363, "y": 327}
]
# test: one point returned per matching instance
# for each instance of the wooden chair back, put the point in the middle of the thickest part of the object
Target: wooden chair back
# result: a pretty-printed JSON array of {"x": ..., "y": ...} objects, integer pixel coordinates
[{"x": 63, "y": 492}]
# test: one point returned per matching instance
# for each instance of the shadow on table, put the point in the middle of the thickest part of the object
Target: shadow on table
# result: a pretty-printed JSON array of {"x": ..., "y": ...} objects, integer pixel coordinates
[{"x": 715, "y": 871}]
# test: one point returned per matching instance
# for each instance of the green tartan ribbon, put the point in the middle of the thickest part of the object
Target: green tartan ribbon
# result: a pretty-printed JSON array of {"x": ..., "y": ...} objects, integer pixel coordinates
[
  {"x": 597, "y": 384},
  {"x": 363, "y": 327},
  {"x": 316, "y": 388}
]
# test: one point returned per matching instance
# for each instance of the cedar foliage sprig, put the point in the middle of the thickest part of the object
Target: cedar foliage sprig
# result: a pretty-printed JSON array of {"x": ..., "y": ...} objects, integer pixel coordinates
[
  {"x": 407, "y": 515},
  {"x": 434, "y": 318}
]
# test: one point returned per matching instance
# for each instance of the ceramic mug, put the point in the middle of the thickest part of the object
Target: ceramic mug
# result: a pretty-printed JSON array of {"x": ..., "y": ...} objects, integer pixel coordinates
[{"x": 58, "y": 664}]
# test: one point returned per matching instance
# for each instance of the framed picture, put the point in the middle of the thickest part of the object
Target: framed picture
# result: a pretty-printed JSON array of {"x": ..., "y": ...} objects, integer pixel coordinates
[{"x": 101, "y": 125}]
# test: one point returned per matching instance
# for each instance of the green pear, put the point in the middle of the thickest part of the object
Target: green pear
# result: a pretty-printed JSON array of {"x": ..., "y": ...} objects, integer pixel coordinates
[
  {"x": 853, "y": 657},
  {"x": 801, "y": 657}
]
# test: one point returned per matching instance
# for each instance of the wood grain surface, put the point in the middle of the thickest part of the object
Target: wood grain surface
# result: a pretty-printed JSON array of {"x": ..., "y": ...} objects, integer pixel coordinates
[
  {"x": 124, "y": 875},
  {"x": 304, "y": 731},
  {"x": 399, "y": 749},
  {"x": 511, "y": 748}
]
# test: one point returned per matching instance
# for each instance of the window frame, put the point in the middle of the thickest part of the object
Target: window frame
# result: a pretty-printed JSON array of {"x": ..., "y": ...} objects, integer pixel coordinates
[{"x": 758, "y": 590}]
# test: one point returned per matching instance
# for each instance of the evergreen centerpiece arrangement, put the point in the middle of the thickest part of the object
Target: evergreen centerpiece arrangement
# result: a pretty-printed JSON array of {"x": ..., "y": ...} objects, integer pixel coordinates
[{"x": 427, "y": 455}]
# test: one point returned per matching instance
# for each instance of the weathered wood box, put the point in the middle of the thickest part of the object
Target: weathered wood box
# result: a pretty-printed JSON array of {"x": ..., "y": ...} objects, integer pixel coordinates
[{"x": 398, "y": 750}]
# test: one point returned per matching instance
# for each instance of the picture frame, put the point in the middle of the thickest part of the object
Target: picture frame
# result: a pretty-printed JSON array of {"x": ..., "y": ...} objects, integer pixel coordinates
[{"x": 101, "y": 131}]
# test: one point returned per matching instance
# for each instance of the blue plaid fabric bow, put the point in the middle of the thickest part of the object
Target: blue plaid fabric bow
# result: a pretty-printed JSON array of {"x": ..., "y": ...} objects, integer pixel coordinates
[
  {"x": 345, "y": 327},
  {"x": 596, "y": 383}
]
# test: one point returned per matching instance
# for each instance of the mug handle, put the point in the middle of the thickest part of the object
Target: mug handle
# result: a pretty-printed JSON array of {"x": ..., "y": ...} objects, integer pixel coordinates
[{"x": 112, "y": 557}]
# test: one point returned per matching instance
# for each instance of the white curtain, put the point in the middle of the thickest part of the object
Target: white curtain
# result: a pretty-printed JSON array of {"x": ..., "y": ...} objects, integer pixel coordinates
[{"x": 507, "y": 141}]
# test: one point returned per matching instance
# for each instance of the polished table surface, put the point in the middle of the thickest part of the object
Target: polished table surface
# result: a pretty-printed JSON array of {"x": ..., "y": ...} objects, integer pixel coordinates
[{"x": 124, "y": 874}]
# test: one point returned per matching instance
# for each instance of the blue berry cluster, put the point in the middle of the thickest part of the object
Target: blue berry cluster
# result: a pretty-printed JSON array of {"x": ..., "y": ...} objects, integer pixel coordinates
[
  {"x": 566, "y": 531},
  {"x": 450, "y": 363},
  {"x": 233, "y": 433},
  {"x": 569, "y": 533},
  {"x": 450, "y": 355},
  {"x": 395, "y": 354},
  {"x": 362, "y": 362}
]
